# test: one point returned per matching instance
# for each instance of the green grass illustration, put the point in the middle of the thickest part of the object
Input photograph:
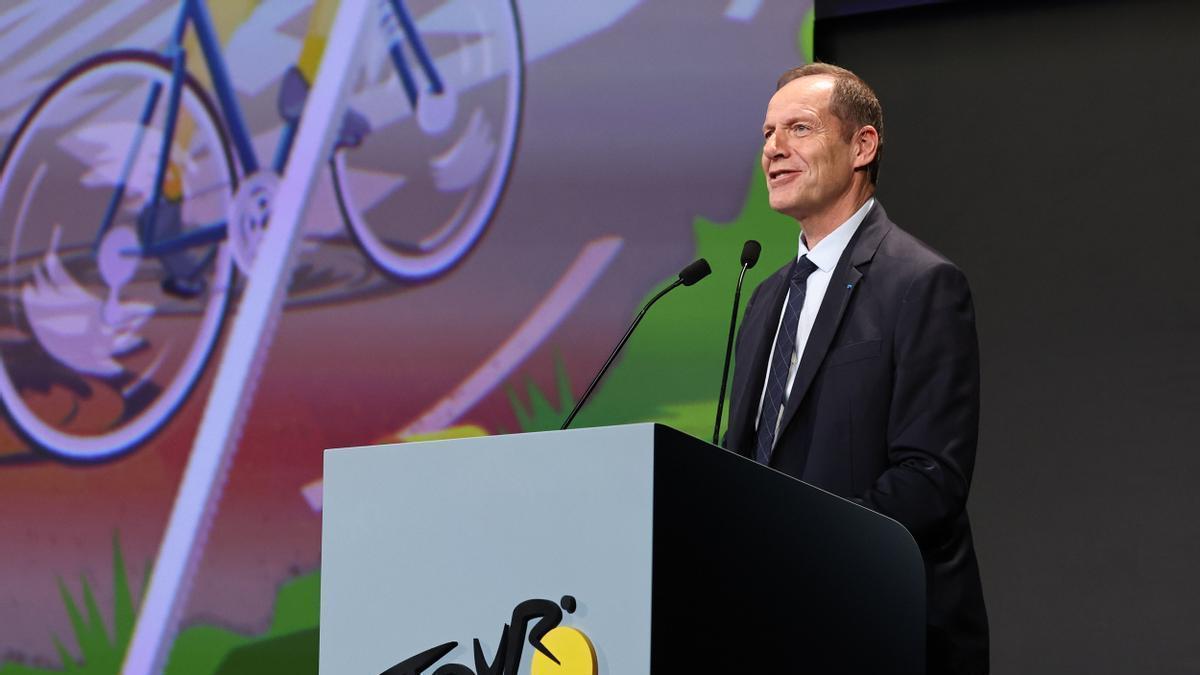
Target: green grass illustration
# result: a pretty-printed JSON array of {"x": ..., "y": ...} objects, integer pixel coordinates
[
  {"x": 540, "y": 414},
  {"x": 100, "y": 647},
  {"x": 288, "y": 646}
]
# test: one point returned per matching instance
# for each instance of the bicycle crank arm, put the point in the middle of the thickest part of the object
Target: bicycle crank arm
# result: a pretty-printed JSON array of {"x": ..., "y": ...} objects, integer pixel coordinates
[{"x": 201, "y": 236}]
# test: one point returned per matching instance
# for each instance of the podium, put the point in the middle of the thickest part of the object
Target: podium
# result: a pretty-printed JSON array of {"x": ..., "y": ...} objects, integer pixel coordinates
[{"x": 623, "y": 550}]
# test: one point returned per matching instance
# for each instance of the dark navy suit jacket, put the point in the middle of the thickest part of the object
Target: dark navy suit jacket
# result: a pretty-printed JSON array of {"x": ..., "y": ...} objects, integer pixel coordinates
[{"x": 885, "y": 411}]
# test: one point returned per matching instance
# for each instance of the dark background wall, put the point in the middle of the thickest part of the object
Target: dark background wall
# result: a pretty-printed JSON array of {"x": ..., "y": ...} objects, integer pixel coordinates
[{"x": 1050, "y": 149}]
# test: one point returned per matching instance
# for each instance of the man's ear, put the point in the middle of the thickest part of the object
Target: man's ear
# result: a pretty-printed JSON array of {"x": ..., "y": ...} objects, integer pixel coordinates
[{"x": 866, "y": 146}]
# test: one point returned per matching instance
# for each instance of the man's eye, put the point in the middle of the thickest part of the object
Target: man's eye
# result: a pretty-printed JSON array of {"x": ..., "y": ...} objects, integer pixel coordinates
[{"x": 800, "y": 129}]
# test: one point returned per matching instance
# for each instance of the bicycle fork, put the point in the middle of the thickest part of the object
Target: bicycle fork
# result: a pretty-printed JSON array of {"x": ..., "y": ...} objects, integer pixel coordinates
[
  {"x": 398, "y": 26},
  {"x": 394, "y": 20}
]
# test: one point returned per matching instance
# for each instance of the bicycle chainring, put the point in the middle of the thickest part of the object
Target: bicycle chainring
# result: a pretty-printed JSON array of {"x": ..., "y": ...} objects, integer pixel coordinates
[{"x": 248, "y": 214}]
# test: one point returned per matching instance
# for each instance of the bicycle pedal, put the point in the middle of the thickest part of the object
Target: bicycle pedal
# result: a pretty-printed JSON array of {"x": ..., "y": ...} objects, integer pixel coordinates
[
  {"x": 354, "y": 129},
  {"x": 185, "y": 289},
  {"x": 293, "y": 92}
]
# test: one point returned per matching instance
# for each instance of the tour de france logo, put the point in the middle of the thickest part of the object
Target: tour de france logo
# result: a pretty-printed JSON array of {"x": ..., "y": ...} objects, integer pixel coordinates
[{"x": 558, "y": 650}]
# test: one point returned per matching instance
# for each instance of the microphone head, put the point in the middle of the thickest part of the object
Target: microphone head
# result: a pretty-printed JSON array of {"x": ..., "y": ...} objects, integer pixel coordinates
[
  {"x": 750, "y": 252},
  {"x": 694, "y": 272}
]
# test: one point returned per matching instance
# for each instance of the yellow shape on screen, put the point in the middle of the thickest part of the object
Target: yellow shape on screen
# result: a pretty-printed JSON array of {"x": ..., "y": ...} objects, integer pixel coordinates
[{"x": 572, "y": 648}]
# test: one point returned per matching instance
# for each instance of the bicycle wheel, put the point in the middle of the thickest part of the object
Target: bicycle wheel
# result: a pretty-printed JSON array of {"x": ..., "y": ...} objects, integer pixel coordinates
[
  {"x": 100, "y": 344},
  {"x": 420, "y": 189}
]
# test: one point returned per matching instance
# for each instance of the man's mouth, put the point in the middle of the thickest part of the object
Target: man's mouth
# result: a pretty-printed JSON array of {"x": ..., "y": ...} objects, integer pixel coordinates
[{"x": 780, "y": 175}]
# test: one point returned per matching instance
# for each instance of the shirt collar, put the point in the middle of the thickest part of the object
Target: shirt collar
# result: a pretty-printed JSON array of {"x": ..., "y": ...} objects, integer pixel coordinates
[{"x": 827, "y": 251}]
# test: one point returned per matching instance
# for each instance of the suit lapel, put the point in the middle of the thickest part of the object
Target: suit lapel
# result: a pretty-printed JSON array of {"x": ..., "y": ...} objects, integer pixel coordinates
[
  {"x": 842, "y": 285},
  {"x": 765, "y": 316}
]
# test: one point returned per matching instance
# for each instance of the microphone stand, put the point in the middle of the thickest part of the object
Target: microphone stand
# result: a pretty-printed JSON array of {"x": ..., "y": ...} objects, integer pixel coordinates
[
  {"x": 737, "y": 296},
  {"x": 613, "y": 355}
]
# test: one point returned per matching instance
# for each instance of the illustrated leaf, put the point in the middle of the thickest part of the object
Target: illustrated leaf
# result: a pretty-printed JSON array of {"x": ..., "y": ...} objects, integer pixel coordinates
[
  {"x": 68, "y": 661},
  {"x": 77, "y": 625},
  {"x": 123, "y": 613}
]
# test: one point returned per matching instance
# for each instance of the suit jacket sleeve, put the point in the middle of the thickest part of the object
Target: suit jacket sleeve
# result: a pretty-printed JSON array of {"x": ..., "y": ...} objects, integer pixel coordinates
[{"x": 933, "y": 421}]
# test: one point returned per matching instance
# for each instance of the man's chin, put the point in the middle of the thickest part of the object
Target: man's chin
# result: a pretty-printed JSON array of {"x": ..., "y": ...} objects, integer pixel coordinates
[{"x": 786, "y": 206}]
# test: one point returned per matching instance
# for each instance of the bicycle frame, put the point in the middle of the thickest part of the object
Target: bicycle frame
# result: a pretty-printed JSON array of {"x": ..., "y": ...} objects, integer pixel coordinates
[{"x": 195, "y": 13}]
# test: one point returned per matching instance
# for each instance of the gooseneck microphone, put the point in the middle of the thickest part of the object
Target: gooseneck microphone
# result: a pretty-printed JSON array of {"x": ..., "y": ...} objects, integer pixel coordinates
[
  {"x": 687, "y": 276},
  {"x": 750, "y": 252}
]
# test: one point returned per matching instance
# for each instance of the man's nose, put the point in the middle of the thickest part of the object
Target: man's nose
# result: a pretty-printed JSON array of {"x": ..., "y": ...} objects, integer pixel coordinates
[{"x": 772, "y": 148}]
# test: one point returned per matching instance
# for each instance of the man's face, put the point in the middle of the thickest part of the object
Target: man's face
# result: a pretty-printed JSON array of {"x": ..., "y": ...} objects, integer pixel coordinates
[{"x": 806, "y": 157}]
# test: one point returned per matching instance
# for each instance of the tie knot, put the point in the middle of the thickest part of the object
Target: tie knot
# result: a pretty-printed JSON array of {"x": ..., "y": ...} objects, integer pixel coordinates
[{"x": 802, "y": 269}]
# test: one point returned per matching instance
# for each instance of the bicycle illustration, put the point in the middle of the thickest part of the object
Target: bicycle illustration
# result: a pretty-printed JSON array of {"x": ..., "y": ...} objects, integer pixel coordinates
[{"x": 130, "y": 199}]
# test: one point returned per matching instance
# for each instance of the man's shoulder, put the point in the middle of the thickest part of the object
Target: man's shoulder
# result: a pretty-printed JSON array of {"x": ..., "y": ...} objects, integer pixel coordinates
[{"x": 902, "y": 251}]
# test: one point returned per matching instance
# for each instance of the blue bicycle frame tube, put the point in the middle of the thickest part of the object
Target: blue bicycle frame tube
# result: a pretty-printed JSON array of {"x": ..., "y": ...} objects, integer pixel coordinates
[
  {"x": 200, "y": 236},
  {"x": 238, "y": 128},
  {"x": 396, "y": 51},
  {"x": 118, "y": 194},
  {"x": 197, "y": 13},
  {"x": 418, "y": 45},
  {"x": 178, "y": 63},
  {"x": 284, "y": 149}
]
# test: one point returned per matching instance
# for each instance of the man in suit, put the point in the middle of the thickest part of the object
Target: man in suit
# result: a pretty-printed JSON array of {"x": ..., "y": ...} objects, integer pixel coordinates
[{"x": 858, "y": 364}]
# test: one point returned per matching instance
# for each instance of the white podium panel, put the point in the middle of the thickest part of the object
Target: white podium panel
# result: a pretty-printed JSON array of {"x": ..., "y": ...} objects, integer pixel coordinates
[{"x": 424, "y": 544}]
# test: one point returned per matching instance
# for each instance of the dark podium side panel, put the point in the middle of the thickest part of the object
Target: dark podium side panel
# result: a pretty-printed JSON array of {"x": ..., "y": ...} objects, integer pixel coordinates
[{"x": 756, "y": 571}]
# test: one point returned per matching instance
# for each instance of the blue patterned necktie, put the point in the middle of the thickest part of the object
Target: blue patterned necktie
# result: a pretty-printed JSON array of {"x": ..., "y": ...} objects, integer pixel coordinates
[{"x": 781, "y": 360}]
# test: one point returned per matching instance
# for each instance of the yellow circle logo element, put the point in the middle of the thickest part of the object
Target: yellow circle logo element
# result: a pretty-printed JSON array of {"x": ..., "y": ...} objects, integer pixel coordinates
[{"x": 572, "y": 648}]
